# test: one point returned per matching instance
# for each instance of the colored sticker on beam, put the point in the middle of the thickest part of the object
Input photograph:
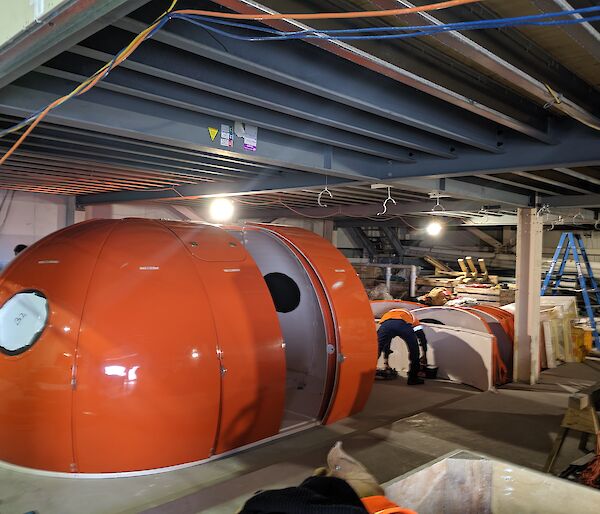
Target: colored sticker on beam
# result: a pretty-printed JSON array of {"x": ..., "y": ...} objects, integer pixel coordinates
[
  {"x": 212, "y": 132},
  {"x": 250, "y": 138},
  {"x": 226, "y": 135},
  {"x": 249, "y": 133}
]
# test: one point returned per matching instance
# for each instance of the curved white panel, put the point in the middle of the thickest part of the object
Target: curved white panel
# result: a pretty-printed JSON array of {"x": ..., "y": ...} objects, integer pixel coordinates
[
  {"x": 303, "y": 327},
  {"x": 453, "y": 317}
]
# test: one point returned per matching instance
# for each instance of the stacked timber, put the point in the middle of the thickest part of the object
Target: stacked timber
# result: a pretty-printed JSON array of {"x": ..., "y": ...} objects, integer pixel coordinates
[{"x": 486, "y": 295}]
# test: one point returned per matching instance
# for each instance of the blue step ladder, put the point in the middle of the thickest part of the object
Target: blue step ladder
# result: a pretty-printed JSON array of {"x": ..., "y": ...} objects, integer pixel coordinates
[{"x": 574, "y": 246}]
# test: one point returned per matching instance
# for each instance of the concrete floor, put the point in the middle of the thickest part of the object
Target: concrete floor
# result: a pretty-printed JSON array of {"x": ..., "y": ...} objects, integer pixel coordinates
[{"x": 400, "y": 429}]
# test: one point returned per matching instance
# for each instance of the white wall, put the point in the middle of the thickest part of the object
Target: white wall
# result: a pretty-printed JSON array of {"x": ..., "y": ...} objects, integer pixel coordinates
[
  {"x": 132, "y": 210},
  {"x": 26, "y": 218},
  {"x": 591, "y": 240},
  {"x": 18, "y": 15}
]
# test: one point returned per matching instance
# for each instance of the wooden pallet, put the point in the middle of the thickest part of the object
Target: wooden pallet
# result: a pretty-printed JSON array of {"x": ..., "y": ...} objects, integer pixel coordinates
[{"x": 487, "y": 295}]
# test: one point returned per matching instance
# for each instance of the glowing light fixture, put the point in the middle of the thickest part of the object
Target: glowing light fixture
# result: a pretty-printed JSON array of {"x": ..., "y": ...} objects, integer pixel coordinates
[
  {"x": 434, "y": 228},
  {"x": 221, "y": 209}
]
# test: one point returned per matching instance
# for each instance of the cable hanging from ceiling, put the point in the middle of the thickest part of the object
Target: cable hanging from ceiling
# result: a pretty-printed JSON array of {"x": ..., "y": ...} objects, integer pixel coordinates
[
  {"x": 389, "y": 32},
  {"x": 193, "y": 16}
]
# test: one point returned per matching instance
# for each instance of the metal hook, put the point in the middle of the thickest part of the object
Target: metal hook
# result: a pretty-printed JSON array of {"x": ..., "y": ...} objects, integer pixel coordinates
[
  {"x": 578, "y": 215},
  {"x": 543, "y": 210},
  {"x": 388, "y": 199},
  {"x": 551, "y": 227},
  {"x": 596, "y": 227},
  {"x": 437, "y": 204},
  {"x": 326, "y": 190}
]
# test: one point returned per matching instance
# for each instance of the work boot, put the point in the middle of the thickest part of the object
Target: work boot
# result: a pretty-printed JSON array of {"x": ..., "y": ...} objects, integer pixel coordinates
[
  {"x": 386, "y": 374},
  {"x": 415, "y": 380},
  {"x": 341, "y": 465}
]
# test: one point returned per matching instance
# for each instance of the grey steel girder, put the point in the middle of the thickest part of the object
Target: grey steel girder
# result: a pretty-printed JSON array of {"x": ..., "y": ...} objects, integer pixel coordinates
[
  {"x": 392, "y": 71},
  {"x": 312, "y": 70}
]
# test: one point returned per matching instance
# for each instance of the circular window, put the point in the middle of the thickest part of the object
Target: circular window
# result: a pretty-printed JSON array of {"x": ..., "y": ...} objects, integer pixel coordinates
[
  {"x": 22, "y": 320},
  {"x": 284, "y": 291}
]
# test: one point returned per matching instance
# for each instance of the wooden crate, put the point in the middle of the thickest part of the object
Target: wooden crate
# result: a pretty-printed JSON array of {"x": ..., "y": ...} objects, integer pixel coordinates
[
  {"x": 487, "y": 295},
  {"x": 432, "y": 282}
]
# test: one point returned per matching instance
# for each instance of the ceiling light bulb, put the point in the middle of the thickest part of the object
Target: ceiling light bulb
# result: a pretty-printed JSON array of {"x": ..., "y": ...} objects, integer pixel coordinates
[
  {"x": 434, "y": 228},
  {"x": 221, "y": 209}
]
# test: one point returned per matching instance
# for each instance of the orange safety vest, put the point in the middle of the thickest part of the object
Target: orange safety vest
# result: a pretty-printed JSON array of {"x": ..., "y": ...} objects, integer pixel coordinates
[
  {"x": 381, "y": 505},
  {"x": 402, "y": 314}
]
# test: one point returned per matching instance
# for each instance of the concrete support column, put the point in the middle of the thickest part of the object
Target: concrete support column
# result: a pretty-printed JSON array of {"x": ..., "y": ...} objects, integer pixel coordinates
[
  {"x": 70, "y": 211},
  {"x": 527, "y": 313},
  {"x": 98, "y": 211},
  {"x": 507, "y": 234},
  {"x": 328, "y": 230}
]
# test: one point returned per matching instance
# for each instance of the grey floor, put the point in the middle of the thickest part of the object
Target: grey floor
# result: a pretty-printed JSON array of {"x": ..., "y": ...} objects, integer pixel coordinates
[{"x": 401, "y": 428}]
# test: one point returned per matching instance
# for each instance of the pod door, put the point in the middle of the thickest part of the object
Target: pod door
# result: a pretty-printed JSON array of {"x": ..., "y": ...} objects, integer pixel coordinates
[{"x": 301, "y": 319}]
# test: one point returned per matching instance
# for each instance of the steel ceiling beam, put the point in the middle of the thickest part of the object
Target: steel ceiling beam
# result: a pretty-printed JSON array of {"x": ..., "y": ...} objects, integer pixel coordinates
[
  {"x": 95, "y": 158},
  {"x": 545, "y": 180},
  {"x": 135, "y": 148},
  {"x": 520, "y": 185},
  {"x": 102, "y": 111},
  {"x": 161, "y": 61},
  {"x": 162, "y": 92},
  {"x": 311, "y": 70},
  {"x": 579, "y": 147},
  {"x": 579, "y": 175},
  {"x": 369, "y": 211},
  {"x": 107, "y": 113},
  {"x": 495, "y": 65},
  {"x": 589, "y": 201},
  {"x": 64, "y": 27},
  {"x": 258, "y": 185},
  {"x": 391, "y": 71},
  {"x": 462, "y": 190},
  {"x": 576, "y": 146},
  {"x": 584, "y": 34}
]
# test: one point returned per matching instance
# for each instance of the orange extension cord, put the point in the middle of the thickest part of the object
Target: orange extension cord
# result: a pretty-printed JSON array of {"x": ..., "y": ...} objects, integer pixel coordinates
[
  {"x": 137, "y": 41},
  {"x": 331, "y": 15}
]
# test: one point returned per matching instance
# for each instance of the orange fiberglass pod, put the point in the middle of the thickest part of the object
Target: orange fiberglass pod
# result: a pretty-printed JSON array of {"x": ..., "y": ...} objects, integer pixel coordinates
[{"x": 135, "y": 345}]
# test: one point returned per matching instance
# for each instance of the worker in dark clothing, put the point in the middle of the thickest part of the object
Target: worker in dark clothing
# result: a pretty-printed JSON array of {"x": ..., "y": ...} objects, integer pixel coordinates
[{"x": 402, "y": 323}]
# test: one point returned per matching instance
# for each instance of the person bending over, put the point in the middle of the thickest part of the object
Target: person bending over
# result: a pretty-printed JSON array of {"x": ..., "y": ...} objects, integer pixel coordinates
[{"x": 402, "y": 323}]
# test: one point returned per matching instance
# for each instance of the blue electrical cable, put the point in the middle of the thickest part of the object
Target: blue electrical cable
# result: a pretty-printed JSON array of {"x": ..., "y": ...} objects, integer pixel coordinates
[
  {"x": 404, "y": 32},
  {"x": 354, "y": 31},
  {"x": 428, "y": 31},
  {"x": 417, "y": 31}
]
